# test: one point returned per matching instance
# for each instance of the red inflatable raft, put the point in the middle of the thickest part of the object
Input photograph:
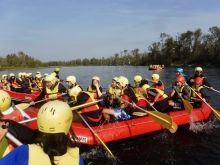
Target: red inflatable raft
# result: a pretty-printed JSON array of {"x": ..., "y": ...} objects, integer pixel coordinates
[
  {"x": 134, "y": 127},
  {"x": 22, "y": 97}
]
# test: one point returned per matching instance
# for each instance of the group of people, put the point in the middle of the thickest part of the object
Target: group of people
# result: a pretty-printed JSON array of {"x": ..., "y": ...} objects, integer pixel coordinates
[
  {"x": 119, "y": 103},
  {"x": 25, "y": 82}
]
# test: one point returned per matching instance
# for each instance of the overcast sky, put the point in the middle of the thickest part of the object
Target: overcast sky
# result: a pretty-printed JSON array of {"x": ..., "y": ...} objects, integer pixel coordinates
[{"x": 52, "y": 30}]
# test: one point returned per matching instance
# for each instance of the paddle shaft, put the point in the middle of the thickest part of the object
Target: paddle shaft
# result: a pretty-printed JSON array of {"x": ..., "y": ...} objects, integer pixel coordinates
[
  {"x": 148, "y": 102},
  {"x": 13, "y": 139},
  {"x": 50, "y": 98},
  {"x": 37, "y": 85},
  {"x": 96, "y": 135},
  {"x": 212, "y": 89}
]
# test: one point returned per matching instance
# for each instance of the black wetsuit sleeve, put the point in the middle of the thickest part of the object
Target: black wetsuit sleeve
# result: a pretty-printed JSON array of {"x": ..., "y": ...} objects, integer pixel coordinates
[
  {"x": 204, "y": 93},
  {"x": 81, "y": 99},
  {"x": 62, "y": 89},
  {"x": 42, "y": 94},
  {"x": 131, "y": 94},
  {"x": 100, "y": 88},
  {"x": 21, "y": 132},
  {"x": 205, "y": 82}
]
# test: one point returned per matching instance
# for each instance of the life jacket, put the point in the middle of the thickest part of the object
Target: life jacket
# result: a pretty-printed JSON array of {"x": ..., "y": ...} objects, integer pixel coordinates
[
  {"x": 93, "y": 92},
  {"x": 194, "y": 96},
  {"x": 91, "y": 108},
  {"x": 4, "y": 86},
  {"x": 37, "y": 154},
  {"x": 14, "y": 83},
  {"x": 126, "y": 98},
  {"x": 53, "y": 93},
  {"x": 4, "y": 147},
  {"x": 113, "y": 91},
  {"x": 159, "y": 87},
  {"x": 138, "y": 90},
  {"x": 152, "y": 92},
  {"x": 180, "y": 91},
  {"x": 141, "y": 100}
]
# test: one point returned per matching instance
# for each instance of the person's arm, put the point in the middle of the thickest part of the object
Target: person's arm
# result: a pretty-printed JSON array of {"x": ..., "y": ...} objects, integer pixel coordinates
[
  {"x": 128, "y": 91},
  {"x": 186, "y": 93},
  {"x": 205, "y": 82},
  {"x": 62, "y": 88},
  {"x": 42, "y": 94}
]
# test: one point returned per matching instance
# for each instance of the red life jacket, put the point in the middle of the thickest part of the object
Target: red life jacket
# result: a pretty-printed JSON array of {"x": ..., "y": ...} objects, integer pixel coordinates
[
  {"x": 15, "y": 115},
  {"x": 159, "y": 87},
  {"x": 152, "y": 92}
]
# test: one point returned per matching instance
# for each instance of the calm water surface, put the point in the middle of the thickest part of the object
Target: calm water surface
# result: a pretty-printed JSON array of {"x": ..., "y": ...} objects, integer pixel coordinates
[{"x": 193, "y": 144}]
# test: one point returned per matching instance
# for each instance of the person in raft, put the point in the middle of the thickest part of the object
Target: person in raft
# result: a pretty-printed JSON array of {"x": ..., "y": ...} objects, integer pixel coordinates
[
  {"x": 125, "y": 110},
  {"x": 51, "y": 145},
  {"x": 183, "y": 91}
]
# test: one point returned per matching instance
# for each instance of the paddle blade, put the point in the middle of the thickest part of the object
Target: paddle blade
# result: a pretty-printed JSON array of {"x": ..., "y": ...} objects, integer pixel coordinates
[
  {"x": 140, "y": 114},
  {"x": 174, "y": 128},
  {"x": 187, "y": 106},
  {"x": 161, "y": 118},
  {"x": 23, "y": 105},
  {"x": 216, "y": 113}
]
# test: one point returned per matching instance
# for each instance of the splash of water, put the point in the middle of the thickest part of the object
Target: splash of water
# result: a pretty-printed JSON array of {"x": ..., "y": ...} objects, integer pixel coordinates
[{"x": 200, "y": 126}]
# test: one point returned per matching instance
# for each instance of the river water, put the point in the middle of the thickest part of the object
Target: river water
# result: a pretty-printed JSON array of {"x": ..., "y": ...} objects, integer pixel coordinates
[{"x": 193, "y": 144}]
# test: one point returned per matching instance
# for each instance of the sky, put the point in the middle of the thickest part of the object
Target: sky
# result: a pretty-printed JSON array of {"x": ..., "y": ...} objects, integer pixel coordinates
[{"x": 63, "y": 30}]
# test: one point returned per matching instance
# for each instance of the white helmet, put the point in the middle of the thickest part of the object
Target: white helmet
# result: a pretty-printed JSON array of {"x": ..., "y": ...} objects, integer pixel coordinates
[
  {"x": 72, "y": 79},
  {"x": 54, "y": 117},
  {"x": 51, "y": 78},
  {"x": 73, "y": 93},
  {"x": 123, "y": 81}
]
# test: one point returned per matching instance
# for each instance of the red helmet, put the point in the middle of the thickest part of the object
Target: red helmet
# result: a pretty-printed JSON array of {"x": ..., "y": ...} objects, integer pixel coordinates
[
  {"x": 198, "y": 80},
  {"x": 180, "y": 79}
]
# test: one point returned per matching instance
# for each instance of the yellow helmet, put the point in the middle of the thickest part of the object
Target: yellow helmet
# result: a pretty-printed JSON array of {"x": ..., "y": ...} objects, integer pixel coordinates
[
  {"x": 145, "y": 87},
  {"x": 123, "y": 81},
  {"x": 29, "y": 74},
  {"x": 198, "y": 69},
  {"x": 46, "y": 74},
  {"x": 54, "y": 117},
  {"x": 57, "y": 69},
  {"x": 155, "y": 77},
  {"x": 137, "y": 78},
  {"x": 5, "y": 101},
  {"x": 72, "y": 79},
  {"x": 115, "y": 78},
  {"x": 24, "y": 74},
  {"x": 96, "y": 78},
  {"x": 73, "y": 93},
  {"x": 38, "y": 75},
  {"x": 53, "y": 74},
  {"x": 19, "y": 74},
  {"x": 3, "y": 76},
  {"x": 51, "y": 78},
  {"x": 11, "y": 74},
  {"x": 38, "y": 72}
]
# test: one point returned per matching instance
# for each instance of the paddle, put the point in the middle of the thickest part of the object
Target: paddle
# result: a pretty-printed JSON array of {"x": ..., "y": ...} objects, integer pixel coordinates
[
  {"x": 85, "y": 105},
  {"x": 26, "y": 105},
  {"x": 37, "y": 86},
  {"x": 186, "y": 103},
  {"x": 212, "y": 89},
  {"x": 216, "y": 113},
  {"x": 107, "y": 149},
  {"x": 161, "y": 118}
]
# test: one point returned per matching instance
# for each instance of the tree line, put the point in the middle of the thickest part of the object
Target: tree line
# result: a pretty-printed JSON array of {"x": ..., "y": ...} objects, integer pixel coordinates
[{"x": 191, "y": 47}]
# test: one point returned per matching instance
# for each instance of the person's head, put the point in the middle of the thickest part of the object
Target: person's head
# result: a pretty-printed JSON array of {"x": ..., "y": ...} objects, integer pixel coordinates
[
  {"x": 39, "y": 76},
  {"x": 145, "y": 88},
  {"x": 73, "y": 93},
  {"x": 23, "y": 75},
  {"x": 155, "y": 76},
  {"x": 19, "y": 75},
  {"x": 5, "y": 101},
  {"x": 50, "y": 81},
  {"x": 122, "y": 82},
  {"x": 54, "y": 117},
  {"x": 57, "y": 70},
  {"x": 38, "y": 72},
  {"x": 71, "y": 81},
  {"x": 54, "y": 120},
  {"x": 179, "y": 71},
  {"x": 114, "y": 82},
  {"x": 29, "y": 75},
  {"x": 198, "y": 70},
  {"x": 12, "y": 75},
  {"x": 137, "y": 80},
  {"x": 180, "y": 80},
  {"x": 4, "y": 76},
  {"x": 95, "y": 79},
  {"x": 198, "y": 81}
]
